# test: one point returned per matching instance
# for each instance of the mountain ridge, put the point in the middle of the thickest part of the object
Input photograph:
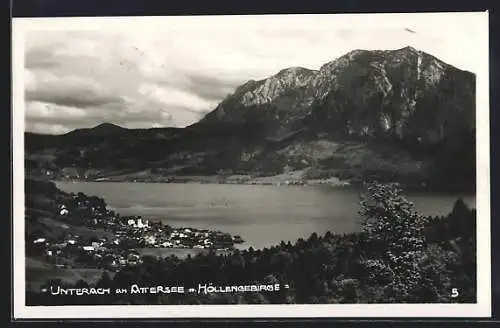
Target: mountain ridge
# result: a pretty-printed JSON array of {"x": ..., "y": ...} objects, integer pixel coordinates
[
  {"x": 379, "y": 66},
  {"x": 392, "y": 114}
]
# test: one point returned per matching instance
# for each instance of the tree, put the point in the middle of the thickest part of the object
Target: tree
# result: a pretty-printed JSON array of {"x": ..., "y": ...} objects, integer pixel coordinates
[
  {"x": 97, "y": 203},
  {"x": 396, "y": 232},
  {"x": 105, "y": 281},
  {"x": 347, "y": 288},
  {"x": 460, "y": 208},
  {"x": 437, "y": 278}
]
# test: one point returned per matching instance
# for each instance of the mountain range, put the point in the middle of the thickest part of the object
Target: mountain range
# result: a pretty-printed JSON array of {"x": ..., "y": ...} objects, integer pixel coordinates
[{"x": 388, "y": 115}]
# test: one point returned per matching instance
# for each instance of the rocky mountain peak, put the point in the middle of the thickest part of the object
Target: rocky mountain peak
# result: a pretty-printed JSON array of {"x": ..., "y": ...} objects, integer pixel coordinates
[
  {"x": 409, "y": 49},
  {"x": 362, "y": 93},
  {"x": 320, "y": 82},
  {"x": 295, "y": 71},
  {"x": 271, "y": 88}
]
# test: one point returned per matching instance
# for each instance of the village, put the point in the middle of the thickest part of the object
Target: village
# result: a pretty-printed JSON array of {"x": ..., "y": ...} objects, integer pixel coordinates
[
  {"x": 280, "y": 180},
  {"x": 117, "y": 240}
]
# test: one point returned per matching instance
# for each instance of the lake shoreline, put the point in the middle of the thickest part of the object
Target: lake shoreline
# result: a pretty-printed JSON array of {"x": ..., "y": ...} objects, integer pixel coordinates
[
  {"x": 212, "y": 180},
  {"x": 257, "y": 213},
  {"x": 261, "y": 181}
]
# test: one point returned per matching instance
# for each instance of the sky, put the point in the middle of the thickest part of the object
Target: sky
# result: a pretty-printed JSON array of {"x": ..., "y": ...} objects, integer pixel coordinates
[{"x": 171, "y": 71}]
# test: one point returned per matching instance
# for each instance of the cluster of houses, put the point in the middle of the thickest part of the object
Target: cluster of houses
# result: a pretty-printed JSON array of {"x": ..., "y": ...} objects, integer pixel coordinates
[
  {"x": 74, "y": 251},
  {"x": 145, "y": 234},
  {"x": 124, "y": 235},
  {"x": 192, "y": 238}
]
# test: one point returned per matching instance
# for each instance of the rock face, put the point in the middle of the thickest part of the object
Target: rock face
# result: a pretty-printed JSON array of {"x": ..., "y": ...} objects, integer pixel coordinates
[
  {"x": 403, "y": 93},
  {"x": 371, "y": 114},
  {"x": 278, "y": 85}
]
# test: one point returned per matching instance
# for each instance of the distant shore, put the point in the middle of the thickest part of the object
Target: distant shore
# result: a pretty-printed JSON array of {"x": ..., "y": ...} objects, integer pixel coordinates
[
  {"x": 287, "y": 179},
  {"x": 281, "y": 180}
]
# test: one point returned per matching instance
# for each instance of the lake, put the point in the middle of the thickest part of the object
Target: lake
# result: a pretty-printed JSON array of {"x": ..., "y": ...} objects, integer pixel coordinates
[{"x": 262, "y": 215}]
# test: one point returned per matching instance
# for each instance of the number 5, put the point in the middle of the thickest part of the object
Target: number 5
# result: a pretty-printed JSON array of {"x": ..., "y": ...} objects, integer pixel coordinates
[{"x": 454, "y": 292}]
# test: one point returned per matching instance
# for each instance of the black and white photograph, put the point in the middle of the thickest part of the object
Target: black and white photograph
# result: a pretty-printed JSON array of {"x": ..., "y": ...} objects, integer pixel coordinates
[{"x": 252, "y": 166}]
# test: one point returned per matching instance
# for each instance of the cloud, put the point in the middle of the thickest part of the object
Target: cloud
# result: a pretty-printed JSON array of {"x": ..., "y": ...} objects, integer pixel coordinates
[
  {"x": 173, "y": 97},
  {"x": 46, "y": 111},
  {"x": 40, "y": 115},
  {"x": 211, "y": 88},
  {"x": 47, "y": 128},
  {"x": 173, "y": 72},
  {"x": 72, "y": 91},
  {"x": 40, "y": 58},
  {"x": 112, "y": 79}
]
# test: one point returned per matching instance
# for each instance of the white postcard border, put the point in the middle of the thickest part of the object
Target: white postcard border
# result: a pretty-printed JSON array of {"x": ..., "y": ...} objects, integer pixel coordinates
[{"x": 481, "y": 309}]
